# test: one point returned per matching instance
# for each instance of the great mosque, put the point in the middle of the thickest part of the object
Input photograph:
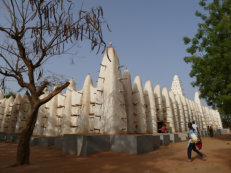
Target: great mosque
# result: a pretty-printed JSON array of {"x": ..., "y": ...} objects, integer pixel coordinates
[{"x": 114, "y": 106}]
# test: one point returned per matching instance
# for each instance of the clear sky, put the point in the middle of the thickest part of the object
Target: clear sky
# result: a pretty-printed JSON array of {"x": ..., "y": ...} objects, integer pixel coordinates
[{"x": 147, "y": 35}]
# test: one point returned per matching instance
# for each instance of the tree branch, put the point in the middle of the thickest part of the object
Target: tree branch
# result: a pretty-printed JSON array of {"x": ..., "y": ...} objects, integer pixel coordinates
[
  {"x": 42, "y": 87},
  {"x": 53, "y": 93}
]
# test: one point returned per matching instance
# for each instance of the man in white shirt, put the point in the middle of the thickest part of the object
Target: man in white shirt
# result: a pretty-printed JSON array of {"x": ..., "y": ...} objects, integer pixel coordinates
[{"x": 195, "y": 127}]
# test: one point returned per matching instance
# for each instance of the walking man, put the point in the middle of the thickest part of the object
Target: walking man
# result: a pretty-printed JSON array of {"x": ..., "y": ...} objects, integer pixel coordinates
[{"x": 191, "y": 145}]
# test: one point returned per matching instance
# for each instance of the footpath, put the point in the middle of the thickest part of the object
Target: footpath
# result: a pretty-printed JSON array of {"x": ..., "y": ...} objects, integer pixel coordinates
[{"x": 171, "y": 158}]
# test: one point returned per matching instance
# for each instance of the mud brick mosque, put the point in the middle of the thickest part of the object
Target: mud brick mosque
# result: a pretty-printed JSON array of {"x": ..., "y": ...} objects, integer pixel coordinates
[{"x": 114, "y": 106}]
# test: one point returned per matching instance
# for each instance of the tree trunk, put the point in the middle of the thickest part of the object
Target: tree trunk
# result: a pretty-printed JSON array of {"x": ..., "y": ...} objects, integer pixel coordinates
[{"x": 23, "y": 150}]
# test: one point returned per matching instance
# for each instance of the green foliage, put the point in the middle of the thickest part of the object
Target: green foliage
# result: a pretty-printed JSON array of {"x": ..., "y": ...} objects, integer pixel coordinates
[
  {"x": 8, "y": 95},
  {"x": 202, "y": 3},
  {"x": 186, "y": 40},
  {"x": 226, "y": 120},
  {"x": 210, "y": 54}
]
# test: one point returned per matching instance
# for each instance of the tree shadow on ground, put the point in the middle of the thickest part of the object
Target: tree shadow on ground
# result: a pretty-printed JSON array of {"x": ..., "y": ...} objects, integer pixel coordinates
[{"x": 50, "y": 160}]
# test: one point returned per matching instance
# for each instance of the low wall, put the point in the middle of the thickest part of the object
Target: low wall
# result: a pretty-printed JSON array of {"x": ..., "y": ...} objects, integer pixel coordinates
[{"x": 84, "y": 145}]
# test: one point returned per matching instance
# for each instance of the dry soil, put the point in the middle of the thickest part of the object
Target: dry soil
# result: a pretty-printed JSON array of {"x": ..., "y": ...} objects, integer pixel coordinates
[{"x": 171, "y": 158}]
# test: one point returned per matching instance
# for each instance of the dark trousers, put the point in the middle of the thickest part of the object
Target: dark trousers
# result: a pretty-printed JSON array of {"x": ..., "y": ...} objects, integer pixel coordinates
[
  {"x": 211, "y": 133},
  {"x": 193, "y": 147}
]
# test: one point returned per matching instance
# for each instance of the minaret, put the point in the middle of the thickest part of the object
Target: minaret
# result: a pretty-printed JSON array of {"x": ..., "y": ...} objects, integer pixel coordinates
[
  {"x": 158, "y": 103},
  {"x": 150, "y": 108},
  {"x": 60, "y": 114},
  {"x": 181, "y": 113},
  {"x": 128, "y": 101},
  {"x": 177, "y": 90},
  {"x": 110, "y": 114},
  {"x": 176, "y": 87},
  {"x": 93, "y": 92},
  {"x": 43, "y": 111},
  {"x": 50, "y": 117},
  {"x": 85, "y": 112},
  {"x": 189, "y": 110},
  {"x": 139, "y": 106},
  {"x": 75, "y": 107},
  {"x": 169, "y": 109},
  {"x": 175, "y": 111},
  {"x": 67, "y": 126},
  {"x": 186, "y": 111}
]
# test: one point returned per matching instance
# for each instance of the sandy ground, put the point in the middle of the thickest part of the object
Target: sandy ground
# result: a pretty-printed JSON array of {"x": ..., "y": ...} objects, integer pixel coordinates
[{"x": 171, "y": 158}]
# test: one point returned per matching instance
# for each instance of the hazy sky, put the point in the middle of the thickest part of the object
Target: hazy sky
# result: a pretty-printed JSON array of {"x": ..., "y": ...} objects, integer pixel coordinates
[{"x": 147, "y": 36}]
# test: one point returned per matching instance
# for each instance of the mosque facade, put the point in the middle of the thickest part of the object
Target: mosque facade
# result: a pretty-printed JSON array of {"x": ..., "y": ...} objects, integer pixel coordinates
[{"x": 114, "y": 106}]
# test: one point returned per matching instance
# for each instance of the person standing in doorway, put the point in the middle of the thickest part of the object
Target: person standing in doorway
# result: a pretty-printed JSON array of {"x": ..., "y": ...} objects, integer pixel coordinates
[{"x": 163, "y": 128}]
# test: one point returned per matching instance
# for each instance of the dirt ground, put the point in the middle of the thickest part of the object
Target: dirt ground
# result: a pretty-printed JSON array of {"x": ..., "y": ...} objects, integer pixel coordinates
[{"x": 171, "y": 158}]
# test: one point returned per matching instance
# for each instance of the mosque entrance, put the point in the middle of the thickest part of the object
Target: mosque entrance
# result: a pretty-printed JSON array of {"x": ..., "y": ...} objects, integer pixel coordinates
[{"x": 161, "y": 123}]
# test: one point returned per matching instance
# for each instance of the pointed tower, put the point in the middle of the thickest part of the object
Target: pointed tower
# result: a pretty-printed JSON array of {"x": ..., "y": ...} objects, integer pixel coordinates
[
  {"x": 168, "y": 109},
  {"x": 181, "y": 113},
  {"x": 39, "y": 126},
  {"x": 85, "y": 111},
  {"x": 60, "y": 113},
  {"x": 128, "y": 101},
  {"x": 93, "y": 92},
  {"x": 74, "y": 109},
  {"x": 45, "y": 116},
  {"x": 158, "y": 103},
  {"x": 150, "y": 108},
  {"x": 186, "y": 111},
  {"x": 198, "y": 118},
  {"x": 194, "y": 117},
  {"x": 176, "y": 87},
  {"x": 189, "y": 110},
  {"x": 110, "y": 116},
  {"x": 67, "y": 126},
  {"x": 50, "y": 118},
  {"x": 175, "y": 111},
  {"x": 139, "y": 106}
]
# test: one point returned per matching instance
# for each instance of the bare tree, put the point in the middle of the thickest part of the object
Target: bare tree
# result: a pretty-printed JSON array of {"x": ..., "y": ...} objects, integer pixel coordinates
[{"x": 39, "y": 30}]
